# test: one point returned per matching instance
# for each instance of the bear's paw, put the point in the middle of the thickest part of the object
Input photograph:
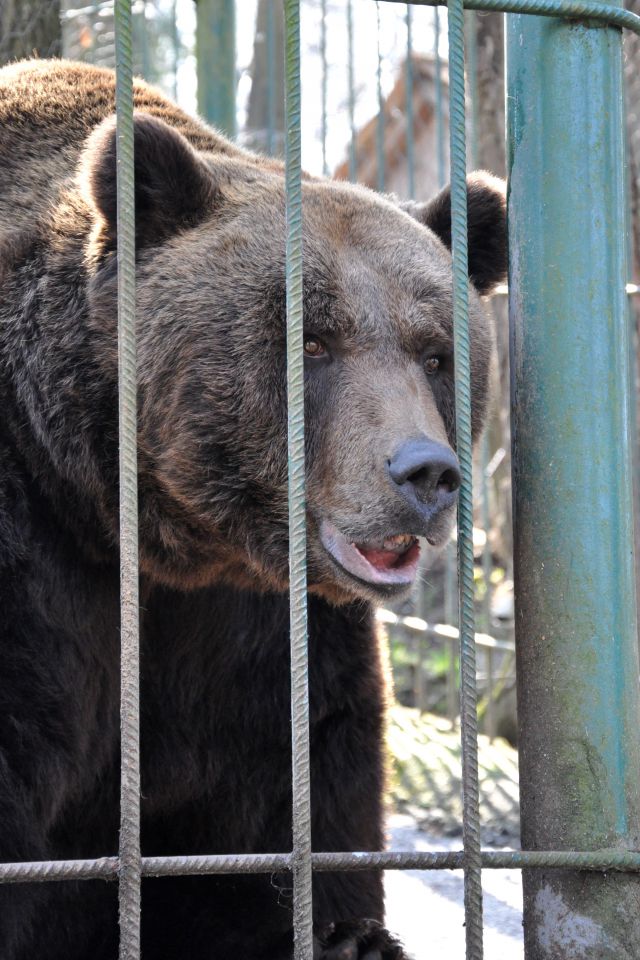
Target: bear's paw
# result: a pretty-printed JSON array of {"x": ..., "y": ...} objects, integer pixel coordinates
[{"x": 357, "y": 940}]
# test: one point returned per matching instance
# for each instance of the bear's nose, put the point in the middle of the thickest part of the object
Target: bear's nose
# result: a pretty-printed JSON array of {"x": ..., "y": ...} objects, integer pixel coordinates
[{"x": 427, "y": 471}]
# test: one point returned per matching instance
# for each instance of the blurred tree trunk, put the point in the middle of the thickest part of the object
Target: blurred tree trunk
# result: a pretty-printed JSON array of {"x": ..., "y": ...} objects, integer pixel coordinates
[
  {"x": 490, "y": 141},
  {"x": 490, "y": 85},
  {"x": 29, "y": 28},
  {"x": 265, "y": 119},
  {"x": 632, "y": 85}
]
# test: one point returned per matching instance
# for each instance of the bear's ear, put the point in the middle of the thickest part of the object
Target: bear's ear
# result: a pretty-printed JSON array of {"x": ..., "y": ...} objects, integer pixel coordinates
[
  {"x": 487, "y": 227},
  {"x": 174, "y": 189}
]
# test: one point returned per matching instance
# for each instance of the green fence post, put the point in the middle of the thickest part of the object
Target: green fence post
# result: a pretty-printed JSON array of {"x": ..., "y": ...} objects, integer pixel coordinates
[
  {"x": 573, "y": 546},
  {"x": 216, "y": 60}
]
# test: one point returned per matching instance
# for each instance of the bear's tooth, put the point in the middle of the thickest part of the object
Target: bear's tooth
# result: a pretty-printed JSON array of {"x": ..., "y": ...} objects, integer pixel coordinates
[{"x": 398, "y": 542}]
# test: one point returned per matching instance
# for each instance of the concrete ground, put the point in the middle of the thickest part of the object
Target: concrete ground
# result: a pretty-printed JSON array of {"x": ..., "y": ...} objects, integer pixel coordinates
[{"x": 425, "y": 908}]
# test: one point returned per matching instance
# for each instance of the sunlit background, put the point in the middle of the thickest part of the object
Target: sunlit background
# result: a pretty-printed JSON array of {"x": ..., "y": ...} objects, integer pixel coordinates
[{"x": 165, "y": 54}]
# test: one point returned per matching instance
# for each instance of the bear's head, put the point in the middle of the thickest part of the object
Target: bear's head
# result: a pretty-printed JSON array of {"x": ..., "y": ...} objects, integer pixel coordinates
[{"x": 379, "y": 390}]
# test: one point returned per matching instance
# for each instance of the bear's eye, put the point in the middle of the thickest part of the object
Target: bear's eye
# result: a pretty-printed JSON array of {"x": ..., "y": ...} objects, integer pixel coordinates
[
  {"x": 432, "y": 364},
  {"x": 314, "y": 347}
]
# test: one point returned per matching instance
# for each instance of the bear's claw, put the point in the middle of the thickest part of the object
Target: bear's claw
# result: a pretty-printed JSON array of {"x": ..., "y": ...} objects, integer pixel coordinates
[{"x": 357, "y": 940}]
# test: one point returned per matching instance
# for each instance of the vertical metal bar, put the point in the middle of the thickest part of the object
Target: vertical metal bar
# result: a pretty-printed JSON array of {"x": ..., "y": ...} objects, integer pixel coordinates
[
  {"x": 216, "y": 63},
  {"x": 380, "y": 171},
  {"x": 353, "y": 160},
  {"x": 302, "y": 908},
  {"x": 449, "y": 578},
  {"x": 486, "y": 524},
  {"x": 472, "y": 75},
  {"x": 271, "y": 78},
  {"x": 175, "y": 42},
  {"x": 491, "y": 707},
  {"x": 472, "y": 79},
  {"x": 411, "y": 167},
  {"x": 439, "y": 121},
  {"x": 452, "y": 620},
  {"x": 323, "y": 56},
  {"x": 468, "y": 693},
  {"x": 576, "y": 626},
  {"x": 129, "y": 887}
]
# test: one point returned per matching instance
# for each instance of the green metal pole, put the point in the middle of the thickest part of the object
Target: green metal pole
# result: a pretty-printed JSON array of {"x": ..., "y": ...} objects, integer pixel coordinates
[
  {"x": 216, "y": 60},
  {"x": 573, "y": 553}
]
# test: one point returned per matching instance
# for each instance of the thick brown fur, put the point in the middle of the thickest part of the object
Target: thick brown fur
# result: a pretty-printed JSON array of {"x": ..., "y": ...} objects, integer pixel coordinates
[{"x": 210, "y": 234}]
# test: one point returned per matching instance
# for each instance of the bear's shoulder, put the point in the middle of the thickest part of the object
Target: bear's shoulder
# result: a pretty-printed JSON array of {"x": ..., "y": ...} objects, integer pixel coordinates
[{"x": 48, "y": 109}]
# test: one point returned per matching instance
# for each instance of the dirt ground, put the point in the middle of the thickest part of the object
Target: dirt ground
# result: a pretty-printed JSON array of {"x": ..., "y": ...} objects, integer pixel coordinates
[{"x": 425, "y": 908}]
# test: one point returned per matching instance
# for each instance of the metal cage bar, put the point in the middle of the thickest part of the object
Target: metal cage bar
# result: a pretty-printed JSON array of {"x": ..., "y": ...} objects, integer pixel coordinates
[
  {"x": 570, "y": 9},
  {"x": 130, "y": 869},
  {"x": 107, "y": 868},
  {"x": 301, "y": 863},
  {"x": 464, "y": 446}
]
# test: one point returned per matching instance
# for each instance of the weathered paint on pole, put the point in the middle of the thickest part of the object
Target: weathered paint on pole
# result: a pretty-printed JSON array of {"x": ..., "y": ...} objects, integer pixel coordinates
[
  {"x": 575, "y": 590},
  {"x": 216, "y": 60}
]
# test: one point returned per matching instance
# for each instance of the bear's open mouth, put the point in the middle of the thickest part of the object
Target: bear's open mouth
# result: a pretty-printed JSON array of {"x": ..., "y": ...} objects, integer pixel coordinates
[{"x": 391, "y": 561}]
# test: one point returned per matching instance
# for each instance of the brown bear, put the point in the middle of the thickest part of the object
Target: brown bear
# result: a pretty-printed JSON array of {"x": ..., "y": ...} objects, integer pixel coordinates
[{"x": 381, "y": 473}]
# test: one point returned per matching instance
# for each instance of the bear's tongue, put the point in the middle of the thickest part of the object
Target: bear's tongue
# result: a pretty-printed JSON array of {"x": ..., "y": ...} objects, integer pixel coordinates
[
  {"x": 392, "y": 554},
  {"x": 392, "y": 562}
]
